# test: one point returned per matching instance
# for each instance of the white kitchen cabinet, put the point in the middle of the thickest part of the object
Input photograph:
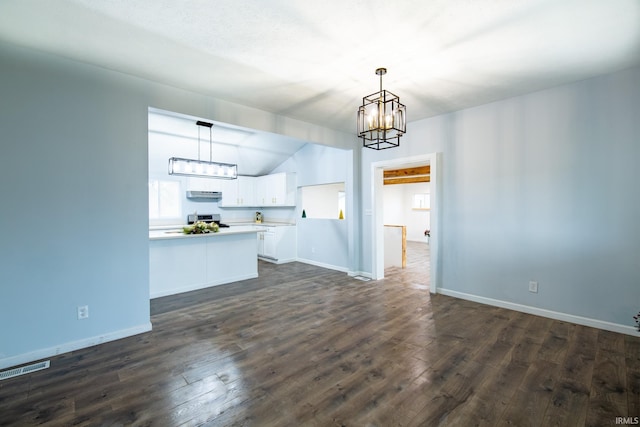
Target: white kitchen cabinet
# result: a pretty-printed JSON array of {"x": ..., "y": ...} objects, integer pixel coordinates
[
  {"x": 277, "y": 244},
  {"x": 229, "y": 193},
  {"x": 278, "y": 189},
  {"x": 260, "y": 189},
  {"x": 246, "y": 191},
  {"x": 267, "y": 243},
  {"x": 238, "y": 192}
]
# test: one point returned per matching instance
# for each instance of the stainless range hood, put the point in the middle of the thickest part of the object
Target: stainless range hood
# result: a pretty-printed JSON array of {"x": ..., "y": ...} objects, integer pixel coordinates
[{"x": 204, "y": 195}]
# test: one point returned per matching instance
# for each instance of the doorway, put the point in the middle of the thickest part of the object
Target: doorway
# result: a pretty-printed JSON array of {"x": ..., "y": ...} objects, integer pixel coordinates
[{"x": 377, "y": 168}]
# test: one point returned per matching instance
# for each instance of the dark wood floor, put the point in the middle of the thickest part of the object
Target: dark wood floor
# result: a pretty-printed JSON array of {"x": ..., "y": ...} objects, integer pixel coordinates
[{"x": 306, "y": 346}]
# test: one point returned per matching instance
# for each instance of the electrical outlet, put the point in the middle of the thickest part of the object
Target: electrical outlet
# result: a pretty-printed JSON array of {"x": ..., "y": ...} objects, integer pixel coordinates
[
  {"x": 313, "y": 250},
  {"x": 533, "y": 287},
  {"x": 83, "y": 312}
]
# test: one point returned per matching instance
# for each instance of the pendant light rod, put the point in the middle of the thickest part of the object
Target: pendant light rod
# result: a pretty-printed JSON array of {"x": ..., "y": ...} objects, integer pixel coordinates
[
  {"x": 381, "y": 72},
  {"x": 208, "y": 125},
  {"x": 210, "y": 169}
]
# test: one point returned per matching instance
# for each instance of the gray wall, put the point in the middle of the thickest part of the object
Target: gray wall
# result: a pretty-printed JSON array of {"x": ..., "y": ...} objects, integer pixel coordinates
[
  {"x": 325, "y": 242},
  {"x": 539, "y": 187},
  {"x": 73, "y": 181}
]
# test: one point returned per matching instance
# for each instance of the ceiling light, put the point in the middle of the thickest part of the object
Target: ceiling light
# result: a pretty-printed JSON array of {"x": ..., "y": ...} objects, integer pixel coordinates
[
  {"x": 210, "y": 169},
  {"x": 381, "y": 118}
]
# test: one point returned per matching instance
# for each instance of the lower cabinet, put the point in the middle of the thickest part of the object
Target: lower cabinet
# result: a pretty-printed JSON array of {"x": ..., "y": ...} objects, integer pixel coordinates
[
  {"x": 267, "y": 244},
  {"x": 277, "y": 243},
  {"x": 185, "y": 264}
]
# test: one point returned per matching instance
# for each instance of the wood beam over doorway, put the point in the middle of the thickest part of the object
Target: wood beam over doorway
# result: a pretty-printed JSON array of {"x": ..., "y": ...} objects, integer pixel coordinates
[{"x": 407, "y": 175}]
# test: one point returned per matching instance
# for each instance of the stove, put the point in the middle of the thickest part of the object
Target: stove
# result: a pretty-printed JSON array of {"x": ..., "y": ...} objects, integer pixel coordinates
[{"x": 208, "y": 218}]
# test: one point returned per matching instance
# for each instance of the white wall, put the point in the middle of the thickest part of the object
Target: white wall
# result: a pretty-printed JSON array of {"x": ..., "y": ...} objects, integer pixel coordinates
[
  {"x": 539, "y": 187},
  {"x": 394, "y": 207},
  {"x": 74, "y": 221},
  {"x": 398, "y": 209}
]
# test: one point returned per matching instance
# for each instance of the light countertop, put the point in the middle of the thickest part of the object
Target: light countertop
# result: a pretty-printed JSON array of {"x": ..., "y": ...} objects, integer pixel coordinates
[
  {"x": 176, "y": 233},
  {"x": 264, "y": 223}
]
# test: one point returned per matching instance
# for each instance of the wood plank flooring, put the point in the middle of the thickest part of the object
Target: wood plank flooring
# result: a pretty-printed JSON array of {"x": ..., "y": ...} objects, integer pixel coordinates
[{"x": 306, "y": 346}]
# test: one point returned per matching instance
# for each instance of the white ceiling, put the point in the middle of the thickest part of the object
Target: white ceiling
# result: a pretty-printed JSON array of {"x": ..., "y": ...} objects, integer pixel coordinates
[{"x": 315, "y": 61}]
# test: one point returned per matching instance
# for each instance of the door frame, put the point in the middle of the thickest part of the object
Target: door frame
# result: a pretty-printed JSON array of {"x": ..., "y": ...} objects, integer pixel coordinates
[{"x": 377, "y": 200}]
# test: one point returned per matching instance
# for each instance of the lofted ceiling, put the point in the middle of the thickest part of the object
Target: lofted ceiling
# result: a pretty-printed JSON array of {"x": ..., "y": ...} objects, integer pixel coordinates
[
  {"x": 314, "y": 61},
  {"x": 255, "y": 152}
]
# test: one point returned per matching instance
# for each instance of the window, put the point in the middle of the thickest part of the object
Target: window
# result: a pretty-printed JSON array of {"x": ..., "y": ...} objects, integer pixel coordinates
[
  {"x": 422, "y": 201},
  {"x": 164, "y": 199}
]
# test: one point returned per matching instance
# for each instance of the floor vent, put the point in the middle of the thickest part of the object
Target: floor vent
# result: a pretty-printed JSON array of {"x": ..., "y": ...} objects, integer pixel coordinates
[
  {"x": 364, "y": 279},
  {"x": 5, "y": 375}
]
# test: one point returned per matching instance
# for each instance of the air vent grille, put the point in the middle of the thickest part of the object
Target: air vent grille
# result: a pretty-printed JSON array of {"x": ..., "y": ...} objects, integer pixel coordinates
[{"x": 24, "y": 370}]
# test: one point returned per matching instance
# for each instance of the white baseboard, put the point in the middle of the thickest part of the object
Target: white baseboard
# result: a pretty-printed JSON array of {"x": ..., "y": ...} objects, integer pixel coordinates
[
  {"x": 360, "y": 273},
  {"x": 565, "y": 317},
  {"x": 43, "y": 353},
  {"x": 277, "y": 261},
  {"x": 323, "y": 265},
  {"x": 197, "y": 286}
]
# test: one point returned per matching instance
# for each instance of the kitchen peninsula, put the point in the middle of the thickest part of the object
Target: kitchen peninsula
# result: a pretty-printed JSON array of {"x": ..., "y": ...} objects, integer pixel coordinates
[{"x": 185, "y": 262}]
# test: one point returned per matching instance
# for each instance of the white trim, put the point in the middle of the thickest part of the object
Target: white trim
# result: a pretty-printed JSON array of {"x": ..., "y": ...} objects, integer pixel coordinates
[
  {"x": 377, "y": 209},
  {"x": 276, "y": 261},
  {"x": 565, "y": 317},
  {"x": 323, "y": 265},
  {"x": 359, "y": 273},
  {"x": 197, "y": 286},
  {"x": 435, "y": 239},
  {"x": 44, "y": 353},
  {"x": 377, "y": 221}
]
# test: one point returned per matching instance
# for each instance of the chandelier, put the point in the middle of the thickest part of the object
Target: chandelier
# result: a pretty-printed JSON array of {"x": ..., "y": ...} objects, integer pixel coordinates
[
  {"x": 202, "y": 168},
  {"x": 381, "y": 118}
]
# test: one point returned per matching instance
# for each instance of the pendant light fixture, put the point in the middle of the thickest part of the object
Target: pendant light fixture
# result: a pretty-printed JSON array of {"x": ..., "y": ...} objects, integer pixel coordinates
[
  {"x": 202, "y": 168},
  {"x": 381, "y": 118}
]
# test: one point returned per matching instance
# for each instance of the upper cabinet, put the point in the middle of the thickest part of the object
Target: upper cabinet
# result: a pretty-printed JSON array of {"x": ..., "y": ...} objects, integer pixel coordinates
[
  {"x": 238, "y": 192},
  {"x": 277, "y": 189}
]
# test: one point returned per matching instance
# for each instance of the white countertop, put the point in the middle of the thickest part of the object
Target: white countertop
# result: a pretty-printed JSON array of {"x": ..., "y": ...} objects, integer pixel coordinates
[
  {"x": 264, "y": 223},
  {"x": 176, "y": 233},
  {"x": 231, "y": 224}
]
